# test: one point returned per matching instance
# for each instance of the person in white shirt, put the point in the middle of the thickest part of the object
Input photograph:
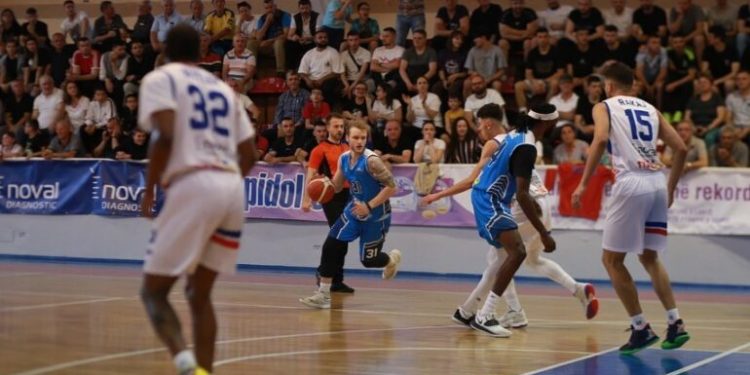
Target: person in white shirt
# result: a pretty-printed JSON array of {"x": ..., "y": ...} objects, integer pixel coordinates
[
  {"x": 100, "y": 110},
  {"x": 355, "y": 61},
  {"x": 76, "y": 23},
  {"x": 239, "y": 63},
  {"x": 429, "y": 149},
  {"x": 480, "y": 96},
  {"x": 554, "y": 19},
  {"x": 385, "y": 107},
  {"x": 386, "y": 60},
  {"x": 621, "y": 16},
  {"x": 425, "y": 106},
  {"x": 247, "y": 21},
  {"x": 566, "y": 101},
  {"x": 47, "y": 103},
  {"x": 321, "y": 68},
  {"x": 74, "y": 106}
]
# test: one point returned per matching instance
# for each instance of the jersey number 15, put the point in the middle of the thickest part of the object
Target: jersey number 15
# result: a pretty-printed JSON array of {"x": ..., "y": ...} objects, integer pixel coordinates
[
  {"x": 209, "y": 117},
  {"x": 640, "y": 125}
]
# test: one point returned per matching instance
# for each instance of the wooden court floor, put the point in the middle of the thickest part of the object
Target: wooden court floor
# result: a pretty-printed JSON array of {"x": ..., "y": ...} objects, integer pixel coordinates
[{"x": 87, "y": 319}]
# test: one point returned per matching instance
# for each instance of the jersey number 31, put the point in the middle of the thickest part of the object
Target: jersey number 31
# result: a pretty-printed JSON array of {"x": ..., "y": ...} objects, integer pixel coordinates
[
  {"x": 209, "y": 117},
  {"x": 640, "y": 125}
]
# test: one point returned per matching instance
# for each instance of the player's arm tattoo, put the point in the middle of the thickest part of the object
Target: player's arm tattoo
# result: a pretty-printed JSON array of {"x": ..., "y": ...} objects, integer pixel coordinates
[{"x": 380, "y": 172}]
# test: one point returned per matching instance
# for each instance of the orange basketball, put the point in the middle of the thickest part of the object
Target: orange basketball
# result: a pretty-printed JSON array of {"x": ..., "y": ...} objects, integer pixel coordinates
[{"x": 320, "y": 190}]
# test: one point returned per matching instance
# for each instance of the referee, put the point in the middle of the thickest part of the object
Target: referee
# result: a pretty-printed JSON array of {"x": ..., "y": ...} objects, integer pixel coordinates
[{"x": 324, "y": 160}]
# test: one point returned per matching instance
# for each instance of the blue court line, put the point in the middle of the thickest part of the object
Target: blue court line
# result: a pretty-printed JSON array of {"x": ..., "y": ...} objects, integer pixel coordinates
[
  {"x": 653, "y": 362},
  {"x": 724, "y": 288}
]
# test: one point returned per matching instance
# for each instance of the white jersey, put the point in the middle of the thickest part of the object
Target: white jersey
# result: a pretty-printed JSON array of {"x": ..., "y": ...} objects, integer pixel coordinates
[
  {"x": 536, "y": 185},
  {"x": 210, "y": 120},
  {"x": 634, "y": 131}
]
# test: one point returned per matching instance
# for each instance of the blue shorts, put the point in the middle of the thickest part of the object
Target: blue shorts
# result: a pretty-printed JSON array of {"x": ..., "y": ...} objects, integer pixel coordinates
[
  {"x": 371, "y": 233},
  {"x": 492, "y": 218}
]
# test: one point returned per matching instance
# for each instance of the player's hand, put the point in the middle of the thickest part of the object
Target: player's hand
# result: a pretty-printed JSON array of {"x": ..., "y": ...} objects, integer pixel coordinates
[
  {"x": 147, "y": 204},
  {"x": 306, "y": 204},
  {"x": 359, "y": 209},
  {"x": 428, "y": 199},
  {"x": 549, "y": 243},
  {"x": 576, "y": 198}
]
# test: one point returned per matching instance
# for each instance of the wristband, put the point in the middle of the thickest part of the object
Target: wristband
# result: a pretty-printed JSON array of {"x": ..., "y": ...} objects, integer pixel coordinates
[{"x": 368, "y": 206}]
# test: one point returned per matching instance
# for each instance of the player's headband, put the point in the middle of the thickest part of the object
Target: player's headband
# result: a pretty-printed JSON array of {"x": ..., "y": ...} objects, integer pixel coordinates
[{"x": 543, "y": 116}]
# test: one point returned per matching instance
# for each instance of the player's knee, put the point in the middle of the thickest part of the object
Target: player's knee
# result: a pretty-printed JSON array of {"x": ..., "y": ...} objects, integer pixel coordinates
[
  {"x": 611, "y": 262},
  {"x": 371, "y": 263},
  {"x": 518, "y": 253},
  {"x": 648, "y": 259}
]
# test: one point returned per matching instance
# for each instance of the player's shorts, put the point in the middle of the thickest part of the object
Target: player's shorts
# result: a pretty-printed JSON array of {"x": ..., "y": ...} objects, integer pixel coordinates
[
  {"x": 492, "y": 218},
  {"x": 637, "y": 214},
  {"x": 200, "y": 224},
  {"x": 371, "y": 233},
  {"x": 532, "y": 240}
]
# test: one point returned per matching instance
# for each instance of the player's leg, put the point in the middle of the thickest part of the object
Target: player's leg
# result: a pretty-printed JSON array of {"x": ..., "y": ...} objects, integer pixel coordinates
[
  {"x": 154, "y": 294},
  {"x": 336, "y": 253},
  {"x": 198, "y": 292},
  {"x": 465, "y": 313},
  {"x": 371, "y": 243}
]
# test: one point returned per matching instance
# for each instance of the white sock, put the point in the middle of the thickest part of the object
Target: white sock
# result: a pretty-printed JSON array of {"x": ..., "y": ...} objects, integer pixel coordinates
[
  {"x": 551, "y": 270},
  {"x": 184, "y": 360},
  {"x": 472, "y": 303},
  {"x": 638, "y": 321},
  {"x": 673, "y": 315},
  {"x": 511, "y": 297},
  {"x": 490, "y": 305},
  {"x": 325, "y": 288}
]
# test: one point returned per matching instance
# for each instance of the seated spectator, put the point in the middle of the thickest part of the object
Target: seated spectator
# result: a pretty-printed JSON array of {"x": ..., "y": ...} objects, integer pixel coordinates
[
  {"x": 11, "y": 64},
  {"x": 209, "y": 60},
  {"x": 36, "y": 141},
  {"x": 429, "y": 149},
  {"x": 36, "y": 63},
  {"x": 220, "y": 25},
  {"x": 261, "y": 143},
  {"x": 464, "y": 146},
  {"x": 621, "y": 17},
  {"x": 706, "y": 110},
  {"x": 316, "y": 109},
  {"x": 480, "y": 96},
  {"x": 584, "y": 17},
  {"x": 112, "y": 139},
  {"x": 247, "y": 104},
  {"x": 738, "y": 111},
  {"x": 285, "y": 149},
  {"x": 544, "y": 67},
  {"x": 517, "y": 27},
  {"x": 423, "y": 107},
  {"x": 291, "y": 102},
  {"x": 139, "y": 64},
  {"x": 134, "y": 148},
  {"x": 301, "y": 37},
  {"x": 357, "y": 108},
  {"x": 163, "y": 22},
  {"x": 451, "y": 67},
  {"x": 418, "y": 61},
  {"x": 319, "y": 134},
  {"x": 385, "y": 107},
  {"x": 554, "y": 19},
  {"x": 74, "y": 106},
  {"x": 485, "y": 20},
  {"x": 720, "y": 60},
  {"x": 584, "y": 119},
  {"x": 570, "y": 149},
  {"x": 65, "y": 144},
  {"x": 729, "y": 151},
  {"x": 367, "y": 28},
  {"x": 486, "y": 60},
  {"x": 386, "y": 59},
  {"x": 247, "y": 22},
  {"x": 9, "y": 148},
  {"x": 239, "y": 64},
  {"x": 142, "y": 27},
  {"x": 584, "y": 58},
  {"x": 697, "y": 156},
  {"x": 113, "y": 71},
  {"x": 197, "y": 19},
  {"x": 84, "y": 66},
  {"x": 334, "y": 18},
  {"x": 455, "y": 111},
  {"x": 47, "y": 104},
  {"x": 100, "y": 110},
  {"x": 689, "y": 21},
  {"x": 270, "y": 35},
  {"x": 394, "y": 147},
  {"x": 355, "y": 62},
  {"x": 60, "y": 55},
  {"x": 451, "y": 18},
  {"x": 649, "y": 20},
  {"x": 651, "y": 68},
  {"x": 18, "y": 107},
  {"x": 321, "y": 68},
  {"x": 10, "y": 29},
  {"x": 76, "y": 24},
  {"x": 35, "y": 28},
  {"x": 615, "y": 49},
  {"x": 723, "y": 13},
  {"x": 129, "y": 114},
  {"x": 566, "y": 101},
  {"x": 107, "y": 27},
  {"x": 680, "y": 75}
]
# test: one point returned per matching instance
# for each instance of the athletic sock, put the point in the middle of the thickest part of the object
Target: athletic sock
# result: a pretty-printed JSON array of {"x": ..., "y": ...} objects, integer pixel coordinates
[
  {"x": 673, "y": 316},
  {"x": 324, "y": 288},
  {"x": 638, "y": 322},
  {"x": 511, "y": 297},
  {"x": 184, "y": 360},
  {"x": 490, "y": 305}
]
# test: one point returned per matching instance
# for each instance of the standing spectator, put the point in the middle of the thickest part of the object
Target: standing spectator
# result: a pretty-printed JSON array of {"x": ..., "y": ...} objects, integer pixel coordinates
[
  {"x": 107, "y": 27},
  {"x": 270, "y": 36},
  {"x": 209, "y": 60},
  {"x": 291, "y": 102},
  {"x": 112, "y": 139},
  {"x": 394, "y": 147},
  {"x": 720, "y": 60},
  {"x": 286, "y": 147},
  {"x": 10, "y": 29},
  {"x": 584, "y": 118},
  {"x": 60, "y": 55},
  {"x": 197, "y": 19},
  {"x": 139, "y": 64},
  {"x": 76, "y": 24},
  {"x": 315, "y": 110},
  {"x": 135, "y": 148},
  {"x": 65, "y": 144},
  {"x": 142, "y": 27},
  {"x": 737, "y": 106},
  {"x": 417, "y": 61},
  {"x": 584, "y": 58},
  {"x": 689, "y": 21},
  {"x": 129, "y": 114},
  {"x": 450, "y": 18},
  {"x": 84, "y": 66},
  {"x": 620, "y": 16},
  {"x": 220, "y": 23},
  {"x": 35, "y": 29},
  {"x": 36, "y": 63},
  {"x": 649, "y": 20},
  {"x": 9, "y": 148},
  {"x": 724, "y": 14},
  {"x": 697, "y": 156},
  {"x": 367, "y": 28},
  {"x": 36, "y": 140},
  {"x": 680, "y": 75},
  {"x": 452, "y": 70},
  {"x": 570, "y": 150},
  {"x": 585, "y": 17},
  {"x": 74, "y": 106},
  {"x": 706, "y": 110},
  {"x": 337, "y": 13},
  {"x": 247, "y": 23},
  {"x": 651, "y": 68},
  {"x": 543, "y": 70},
  {"x": 486, "y": 60},
  {"x": 239, "y": 63},
  {"x": 464, "y": 146},
  {"x": 114, "y": 69},
  {"x": 566, "y": 101},
  {"x": 429, "y": 149},
  {"x": 385, "y": 107},
  {"x": 424, "y": 106},
  {"x": 321, "y": 68},
  {"x": 480, "y": 96},
  {"x": 301, "y": 36},
  {"x": 11, "y": 64},
  {"x": 517, "y": 27},
  {"x": 47, "y": 104},
  {"x": 164, "y": 22},
  {"x": 485, "y": 21},
  {"x": 410, "y": 16},
  {"x": 386, "y": 59},
  {"x": 355, "y": 62},
  {"x": 730, "y": 151},
  {"x": 18, "y": 107},
  {"x": 554, "y": 19},
  {"x": 615, "y": 49}
]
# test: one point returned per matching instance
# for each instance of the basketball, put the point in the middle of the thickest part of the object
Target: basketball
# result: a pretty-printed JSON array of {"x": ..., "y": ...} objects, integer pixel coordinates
[{"x": 320, "y": 190}]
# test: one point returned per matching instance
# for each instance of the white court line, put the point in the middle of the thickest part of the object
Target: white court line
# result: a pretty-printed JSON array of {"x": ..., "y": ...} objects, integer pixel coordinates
[
  {"x": 574, "y": 360},
  {"x": 18, "y": 274},
  {"x": 710, "y": 359},
  {"x": 384, "y": 349},
  {"x": 61, "y": 304},
  {"x": 52, "y": 294}
]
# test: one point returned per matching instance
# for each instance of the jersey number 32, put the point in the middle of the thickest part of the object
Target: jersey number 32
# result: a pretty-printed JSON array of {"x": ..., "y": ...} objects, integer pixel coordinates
[{"x": 206, "y": 117}]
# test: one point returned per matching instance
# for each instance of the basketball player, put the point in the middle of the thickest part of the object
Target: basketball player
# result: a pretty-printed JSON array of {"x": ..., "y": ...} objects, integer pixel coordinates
[
  {"x": 324, "y": 160},
  {"x": 636, "y": 220},
  {"x": 515, "y": 317},
  {"x": 367, "y": 216},
  {"x": 202, "y": 146}
]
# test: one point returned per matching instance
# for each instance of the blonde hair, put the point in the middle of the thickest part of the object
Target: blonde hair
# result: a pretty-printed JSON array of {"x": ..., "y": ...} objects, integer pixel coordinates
[{"x": 359, "y": 124}]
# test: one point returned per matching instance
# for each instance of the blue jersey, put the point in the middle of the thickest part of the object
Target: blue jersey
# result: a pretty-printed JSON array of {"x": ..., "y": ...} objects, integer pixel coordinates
[
  {"x": 362, "y": 185},
  {"x": 495, "y": 179}
]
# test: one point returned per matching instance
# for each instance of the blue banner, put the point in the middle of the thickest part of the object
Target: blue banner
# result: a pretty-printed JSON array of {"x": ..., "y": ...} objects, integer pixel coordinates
[{"x": 44, "y": 188}]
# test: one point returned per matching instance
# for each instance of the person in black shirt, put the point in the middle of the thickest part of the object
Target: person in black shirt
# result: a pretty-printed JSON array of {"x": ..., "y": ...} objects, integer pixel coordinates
[
  {"x": 542, "y": 70},
  {"x": 11, "y": 63},
  {"x": 60, "y": 55},
  {"x": 139, "y": 64},
  {"x": 720, "y": 60},
  {"x": 680, "y": 76},
  {"x": 393, "y": 147},
  {"x": 587, "y": 17},
  {"x": 584, "y": 118},
  {"x": 584, "y": 58},
  {"x": 136, "y": 148},
  {"x": 485, "y": 20},
  {"x": 9, "y": 27},
  {"x": 18, "y": 107},
  {"x": 35, "y": 29},
  {"x": 617, "y": 50},
  {"x": 36, "y": 141},
  {"x": 107, "y": 27},
  {"x": 450, "y": 18},
  {"x": 142, "y": 27},
  {"x": 451, "y": 68},
  {"x": 286, "y": 148},
  {"x": 129, "y": 114},
  {"x": 319, "y": 134},
  {"x": 517, "y": 27},
  {"x": 743, "y": 29},
  {"x": 112, "y": 139},
  {"x": 649, "y": 19},
  {"x": 36, "y": 63}
]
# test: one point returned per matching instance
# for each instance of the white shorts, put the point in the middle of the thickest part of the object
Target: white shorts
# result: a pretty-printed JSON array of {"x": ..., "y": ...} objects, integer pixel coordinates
[
  {"x": 532, "y": 241},
  {"x": 637, "y": 214},
  {"x": 200, "y": 224}
]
